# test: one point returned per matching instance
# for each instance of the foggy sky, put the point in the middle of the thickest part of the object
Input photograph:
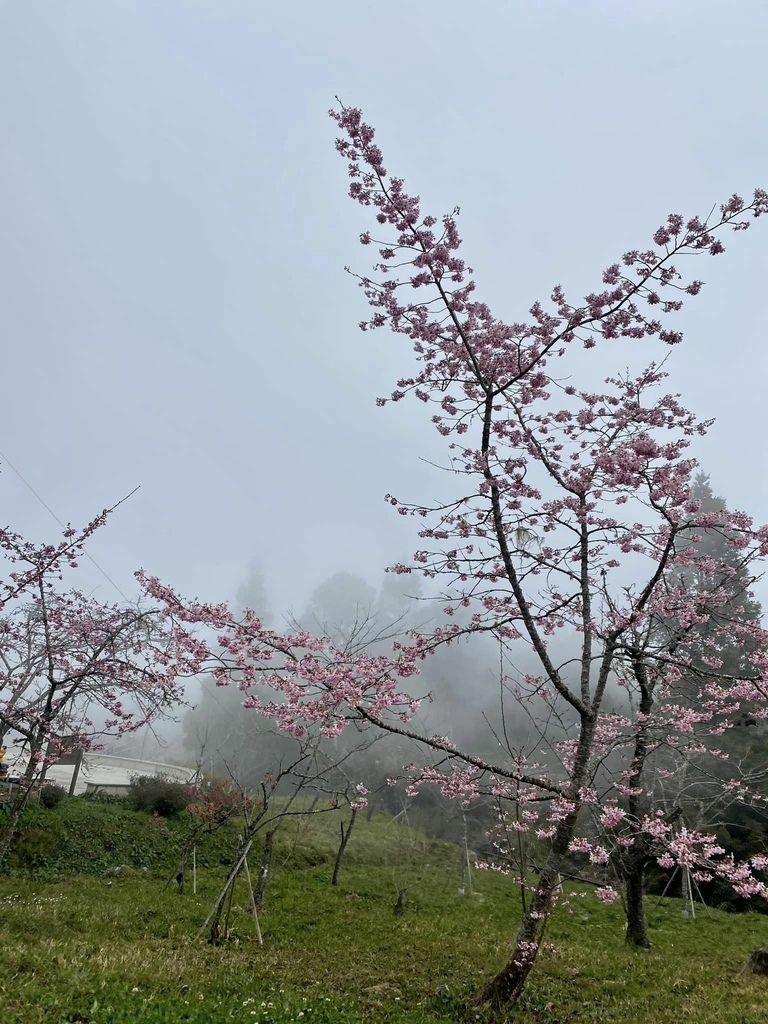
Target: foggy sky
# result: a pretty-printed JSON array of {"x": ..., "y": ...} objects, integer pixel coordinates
[{"x": 175, "y": 225}]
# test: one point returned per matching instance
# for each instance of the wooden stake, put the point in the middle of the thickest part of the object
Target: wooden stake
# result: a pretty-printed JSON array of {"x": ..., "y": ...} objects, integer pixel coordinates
[
  {"x": 253, "y": 904},
  {"x": 232, "y": 876}
]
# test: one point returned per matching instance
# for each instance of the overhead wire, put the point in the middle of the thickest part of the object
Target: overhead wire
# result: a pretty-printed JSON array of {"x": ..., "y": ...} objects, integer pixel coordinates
[{"x": 48, "y": 508}]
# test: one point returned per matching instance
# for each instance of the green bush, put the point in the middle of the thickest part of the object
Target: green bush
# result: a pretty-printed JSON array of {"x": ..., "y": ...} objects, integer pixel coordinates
[
  {"x": 37, "y": 846},
  {"x": 155, "y": 795},
  {"x": 87, "y": 836},
  {"x": 98, "y": 797},
  {"x": 51, "y": 796}
]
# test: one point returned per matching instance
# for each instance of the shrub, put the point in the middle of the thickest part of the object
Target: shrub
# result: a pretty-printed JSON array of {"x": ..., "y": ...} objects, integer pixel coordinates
[
  {"x": 51, "y": 795},
  {"x": 154, "y": 794},
  {"x": 40, "y": 840},
  {"x": 87, "y": 836},
  {"x": 110, "y": 799}
]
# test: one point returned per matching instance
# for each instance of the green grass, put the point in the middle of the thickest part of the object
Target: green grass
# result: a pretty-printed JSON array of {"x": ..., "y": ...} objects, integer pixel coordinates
[{"x": 98, "y": 951}]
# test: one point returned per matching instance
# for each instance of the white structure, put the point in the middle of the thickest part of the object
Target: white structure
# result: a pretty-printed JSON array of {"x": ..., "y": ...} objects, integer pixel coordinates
[{"x": 100, "y": 772}]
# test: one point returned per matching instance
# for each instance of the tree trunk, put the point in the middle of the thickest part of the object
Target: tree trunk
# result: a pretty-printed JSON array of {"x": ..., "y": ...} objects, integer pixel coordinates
[
  {"x": 11, "y": 826},
  {"x": 637, "y": 926},
  {"x": 178, "y": 875},
  {"x": 508, "y": 984},
  {"x": 506, "y": 987},
  {"x": 343, "y": 847},
  {"x": 215, "y": 934},
  {"x": 9, "y": 830}
]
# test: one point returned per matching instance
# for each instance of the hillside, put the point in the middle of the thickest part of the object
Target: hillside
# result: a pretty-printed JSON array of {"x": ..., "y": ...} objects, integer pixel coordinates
[{"x": 104, "y": 949}]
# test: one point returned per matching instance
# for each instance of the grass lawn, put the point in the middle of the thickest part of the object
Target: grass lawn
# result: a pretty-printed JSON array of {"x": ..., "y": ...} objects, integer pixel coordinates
[{"x": 100, "y": 951}]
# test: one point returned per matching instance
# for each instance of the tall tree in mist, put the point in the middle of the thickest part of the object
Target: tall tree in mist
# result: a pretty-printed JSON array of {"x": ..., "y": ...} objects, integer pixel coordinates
[
  {"x": 218, "y": 733},
  {"x": 230, "y": 739},
  {"x": 339, "y": 605},
  {"x": 709, "y": 788},
  {"x": 252, "y": 593},
  {"x": 600, "y": 477},
  {"x": 721, "y": 565}
]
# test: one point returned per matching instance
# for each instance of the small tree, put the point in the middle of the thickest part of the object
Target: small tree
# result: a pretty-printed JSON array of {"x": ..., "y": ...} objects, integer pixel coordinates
[
  {"x": 601, "y": 478},
  {"x": 688, "y": 785},
  {"x": 211, "y": 806},
  {"x": 308, "y": 771},
  {"x": 74, "y": 670}
]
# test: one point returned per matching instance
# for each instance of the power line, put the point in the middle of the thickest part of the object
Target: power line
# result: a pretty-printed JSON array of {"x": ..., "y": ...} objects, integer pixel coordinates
[{"x": 48, "y": 508}]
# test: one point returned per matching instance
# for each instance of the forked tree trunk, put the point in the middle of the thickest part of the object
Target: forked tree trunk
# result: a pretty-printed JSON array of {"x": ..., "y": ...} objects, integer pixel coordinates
[
  {"x": 214, "y": 916},
  {"x": 637, "y": 925}
]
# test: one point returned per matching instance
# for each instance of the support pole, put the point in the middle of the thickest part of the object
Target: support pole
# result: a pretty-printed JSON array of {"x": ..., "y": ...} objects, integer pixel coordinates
[
  {"x": 230, "y": 881},
  {"x": 259, "y": 938},
  {"x": 76, "y": 771},
  {"x": 469, "y": 868}
]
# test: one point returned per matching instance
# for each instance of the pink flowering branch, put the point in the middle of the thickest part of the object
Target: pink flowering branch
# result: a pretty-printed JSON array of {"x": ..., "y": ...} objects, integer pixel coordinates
[
  {"x": 74, "y": 670},
  {"x": 44, "y": 562}
]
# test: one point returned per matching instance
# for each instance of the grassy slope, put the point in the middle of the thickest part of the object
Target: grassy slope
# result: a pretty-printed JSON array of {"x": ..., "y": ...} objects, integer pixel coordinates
[
  {"x": 102, "y": 951},
  {"x": 89, "y": 837}
]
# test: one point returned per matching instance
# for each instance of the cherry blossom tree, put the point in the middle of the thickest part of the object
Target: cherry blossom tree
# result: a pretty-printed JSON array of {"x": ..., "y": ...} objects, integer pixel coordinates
[
  {"x": 686, "y": 768},
  {"x": 74, "y": 670},
  {"x": 566, "y": 527},
  {"x": 672, "y": 765}
]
